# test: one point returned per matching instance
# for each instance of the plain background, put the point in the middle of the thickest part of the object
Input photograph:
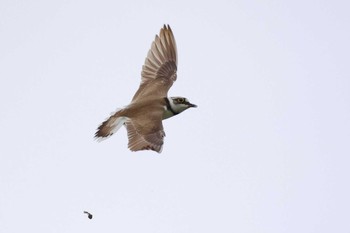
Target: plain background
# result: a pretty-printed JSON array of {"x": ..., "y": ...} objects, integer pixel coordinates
[{"x": 267, "y": 150}]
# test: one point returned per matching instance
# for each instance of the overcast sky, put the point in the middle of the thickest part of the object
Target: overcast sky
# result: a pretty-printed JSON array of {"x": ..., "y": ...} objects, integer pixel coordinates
[{"x": 267, "y": 150}]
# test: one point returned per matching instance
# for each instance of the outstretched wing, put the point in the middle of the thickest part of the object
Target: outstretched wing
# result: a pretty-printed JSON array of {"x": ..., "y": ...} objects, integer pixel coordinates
[
  {"x": 152, "y": 140},
  {"x": 159, "y": 70}
]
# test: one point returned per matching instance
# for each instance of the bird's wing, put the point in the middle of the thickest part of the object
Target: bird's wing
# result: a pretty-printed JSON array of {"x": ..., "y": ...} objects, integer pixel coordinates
[
  {"x": 159, "y": 70},
  {"x": 148, "y": 136}
]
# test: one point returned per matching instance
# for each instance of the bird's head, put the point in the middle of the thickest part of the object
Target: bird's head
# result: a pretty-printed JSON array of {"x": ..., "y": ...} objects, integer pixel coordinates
[{"x": 180, "y": 104}]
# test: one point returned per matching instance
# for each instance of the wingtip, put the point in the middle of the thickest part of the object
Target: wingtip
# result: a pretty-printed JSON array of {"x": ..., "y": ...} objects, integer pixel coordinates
[
  {"x": 99, "y": 136},
  {"x": 146, "y": 148},
  {"x": 166, "y": 27}
]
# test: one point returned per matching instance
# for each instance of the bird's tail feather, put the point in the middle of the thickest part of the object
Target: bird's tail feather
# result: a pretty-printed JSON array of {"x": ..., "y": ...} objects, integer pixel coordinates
[{"x": 110, "y": 126}]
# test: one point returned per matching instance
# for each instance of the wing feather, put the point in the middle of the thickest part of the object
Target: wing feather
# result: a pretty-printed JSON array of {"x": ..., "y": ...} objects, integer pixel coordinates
[
  {"x": 159, "y": 70},
  {"x": 153, "y": 141}
]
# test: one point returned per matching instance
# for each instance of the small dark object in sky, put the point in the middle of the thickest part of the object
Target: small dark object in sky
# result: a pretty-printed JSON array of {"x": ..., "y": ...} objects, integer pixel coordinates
[{"x": 89, "y": 215}]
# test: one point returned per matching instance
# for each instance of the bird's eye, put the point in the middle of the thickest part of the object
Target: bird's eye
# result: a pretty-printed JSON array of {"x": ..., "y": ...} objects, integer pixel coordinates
[{"x": 181, "y": 100}]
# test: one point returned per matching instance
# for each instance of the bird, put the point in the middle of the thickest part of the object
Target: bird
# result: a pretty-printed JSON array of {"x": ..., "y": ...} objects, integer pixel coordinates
[
  {"x": 88, "y": 214},
  {"x": 150, "y": 104}
]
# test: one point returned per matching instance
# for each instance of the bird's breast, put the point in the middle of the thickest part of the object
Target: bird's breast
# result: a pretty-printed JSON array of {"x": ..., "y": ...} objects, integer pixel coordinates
[{"x": 167, "y": 113}]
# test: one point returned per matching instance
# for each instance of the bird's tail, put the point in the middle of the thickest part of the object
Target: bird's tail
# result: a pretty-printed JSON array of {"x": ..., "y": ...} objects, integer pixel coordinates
[{"x": 110, "y": 126}]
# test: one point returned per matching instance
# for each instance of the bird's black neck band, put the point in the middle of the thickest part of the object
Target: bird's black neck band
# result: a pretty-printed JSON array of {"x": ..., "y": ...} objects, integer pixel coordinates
[{"x": 168, "y": 106}]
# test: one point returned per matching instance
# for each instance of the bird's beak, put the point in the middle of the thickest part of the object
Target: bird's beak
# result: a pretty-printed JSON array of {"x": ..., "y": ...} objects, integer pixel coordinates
[{"x": 192, "y": 105}]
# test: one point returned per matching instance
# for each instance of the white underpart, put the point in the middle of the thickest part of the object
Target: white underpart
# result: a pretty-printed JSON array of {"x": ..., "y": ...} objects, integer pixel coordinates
[{"x": 119, "y": 122}]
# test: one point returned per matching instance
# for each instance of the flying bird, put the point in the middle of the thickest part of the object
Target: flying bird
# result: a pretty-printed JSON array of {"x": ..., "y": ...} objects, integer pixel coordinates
[
  {"x": 88, "y": 214},
  {"x": 150, "y": 104}
]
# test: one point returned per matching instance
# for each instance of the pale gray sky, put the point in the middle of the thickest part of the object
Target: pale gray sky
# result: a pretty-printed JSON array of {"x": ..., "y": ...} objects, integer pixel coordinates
[{"x": 266, "y": 151}]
